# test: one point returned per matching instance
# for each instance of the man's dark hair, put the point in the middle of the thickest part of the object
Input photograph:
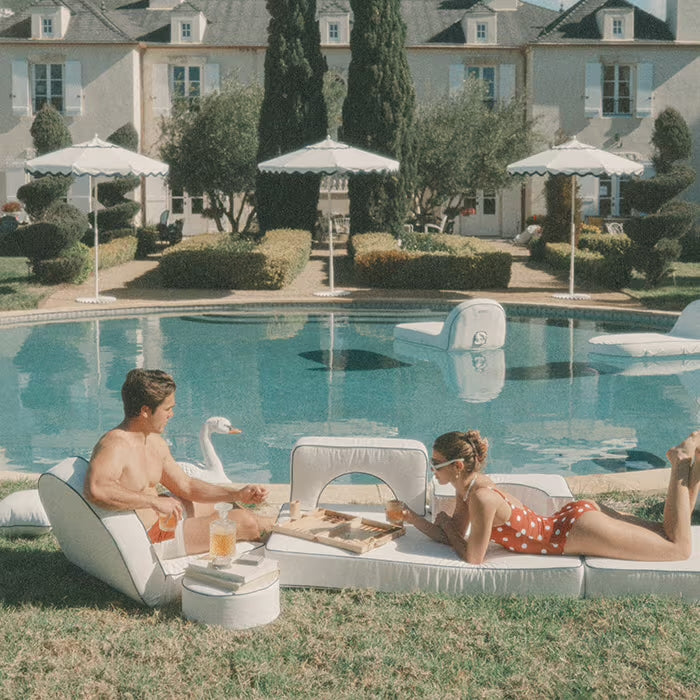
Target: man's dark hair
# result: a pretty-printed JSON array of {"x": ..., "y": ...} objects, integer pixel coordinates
[{"x": 145, "y": 387}]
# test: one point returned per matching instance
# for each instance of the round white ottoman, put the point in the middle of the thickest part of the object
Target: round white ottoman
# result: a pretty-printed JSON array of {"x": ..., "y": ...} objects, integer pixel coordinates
[{"x": 257, "y": 606}]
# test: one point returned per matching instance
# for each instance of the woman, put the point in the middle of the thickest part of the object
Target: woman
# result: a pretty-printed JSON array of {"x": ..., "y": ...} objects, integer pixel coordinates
[{"x": 580, "y": 528}]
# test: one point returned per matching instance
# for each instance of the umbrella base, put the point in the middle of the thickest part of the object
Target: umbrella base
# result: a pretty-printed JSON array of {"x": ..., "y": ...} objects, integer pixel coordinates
[
  {"x": 572, "y": 297},
  {"x": 333, "y": 293},
  {"x": 96, "y": 300}
]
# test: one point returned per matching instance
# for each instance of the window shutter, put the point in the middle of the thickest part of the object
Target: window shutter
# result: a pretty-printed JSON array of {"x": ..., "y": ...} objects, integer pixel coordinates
[
  {"x": 73, "y": 89},
  {"x": 457, "y": 73},
  {"x": 160, "y": 89},
  {"x": 506, "y": 82},
  {"x": 20, "y": 88},
  {"x": 645, "y": 93},
  {"x": 211, "y": 78},
  {"x": 594, "y": 90}
]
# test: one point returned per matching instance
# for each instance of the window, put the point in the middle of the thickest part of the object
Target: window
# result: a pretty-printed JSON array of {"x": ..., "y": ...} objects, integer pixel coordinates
[
  {"x": 611, "y": 197},
  {"x": 197, "y": 203},
  {"x": 48, "y": 85},
  {"x": 489, "y": 208},
  {"x": 177, "y": 200},
  {"x": 618, "y": 27},
  {"x": 482, "y": 31},
  {"x": 617, "y": 90},
  {"x": 186, "y": 31},
  {"x": 187, "y": 84},
  {"x": 47, "y": 27},
  {"x": 333, "y": 31},
  {"x": 488, "y": 75}
]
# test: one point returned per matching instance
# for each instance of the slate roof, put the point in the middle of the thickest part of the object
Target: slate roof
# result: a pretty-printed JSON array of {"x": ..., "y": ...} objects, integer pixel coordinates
[
  {"x": 242, "y": 23},
  {"x": 578, "y": 24}
]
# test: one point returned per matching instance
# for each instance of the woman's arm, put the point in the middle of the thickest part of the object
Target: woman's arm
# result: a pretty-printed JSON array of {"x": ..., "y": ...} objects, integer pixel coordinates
[{"x": 425, "y": 526}]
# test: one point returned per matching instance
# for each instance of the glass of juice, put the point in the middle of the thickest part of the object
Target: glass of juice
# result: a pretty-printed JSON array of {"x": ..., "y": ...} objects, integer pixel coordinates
[
  {"x": 394, "y": 512},
  {"x": 222, "y": 537},
  {"x": 167, "y": 523}
]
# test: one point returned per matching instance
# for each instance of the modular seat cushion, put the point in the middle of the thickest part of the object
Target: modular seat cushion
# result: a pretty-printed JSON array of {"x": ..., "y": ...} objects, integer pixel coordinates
[
  {"x": 676, "y": 579},
  {"x": 112, "y": 546},
  {"x": 682, "y": 339},
  {"x": 401, "y": 464},
  {"x": 22, "y": 515},
  {"x": 477, "y": 324},
  {"x": 413, "y": 562}
]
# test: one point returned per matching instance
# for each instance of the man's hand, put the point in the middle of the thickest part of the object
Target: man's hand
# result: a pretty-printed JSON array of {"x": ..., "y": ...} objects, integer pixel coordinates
[
  {"x": 252, "y": 494},
  {"x": 167, "y": 506}
]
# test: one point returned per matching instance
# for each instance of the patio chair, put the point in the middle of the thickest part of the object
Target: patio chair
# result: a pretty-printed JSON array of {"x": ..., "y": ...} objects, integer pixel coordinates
[
  {"x": 614, "y": 227},
  {"x": 477, "y": 324},
  {"x": 162, "y": 225},
  {"x": 112, "y": 546}
]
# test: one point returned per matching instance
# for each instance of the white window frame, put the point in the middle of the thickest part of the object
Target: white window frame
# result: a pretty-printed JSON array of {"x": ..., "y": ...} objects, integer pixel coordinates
[
  {"x": 51, "y": 89},
  {"x": 186, "y": 31},
  {"x": 333, "y": 32},
  {"x": 617, "y": 97},
  {"x": 47, "y": 28},
  {"x": 187, "y": 83},
  {"x": 618, "y": 27},
  {"x": 482, "y": 31}
]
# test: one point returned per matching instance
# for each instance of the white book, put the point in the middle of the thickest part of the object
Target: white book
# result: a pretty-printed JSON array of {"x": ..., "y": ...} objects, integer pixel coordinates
[{"x": 235, "y": 573}]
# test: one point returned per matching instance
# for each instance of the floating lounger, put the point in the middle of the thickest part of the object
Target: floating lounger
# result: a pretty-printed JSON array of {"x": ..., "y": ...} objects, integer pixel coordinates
[{"x": 682, "y": 339}]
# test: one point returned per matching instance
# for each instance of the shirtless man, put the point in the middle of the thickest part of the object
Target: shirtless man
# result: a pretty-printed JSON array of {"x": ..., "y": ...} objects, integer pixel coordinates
[{"x": 130, "y": 460}]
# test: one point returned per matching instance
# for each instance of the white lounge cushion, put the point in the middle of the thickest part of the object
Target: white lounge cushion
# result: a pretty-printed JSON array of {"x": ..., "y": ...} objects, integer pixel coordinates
[
  {"x": 22, "y": 515},
  {"x": 682, "y": 339},
  {"x": 415, "y": 563},
  {"x": 401, "y": 464},
  {"x": 476, "y": 324},
  {"x": 676, "y": 579},
  {"x": 544, "y": 493}
]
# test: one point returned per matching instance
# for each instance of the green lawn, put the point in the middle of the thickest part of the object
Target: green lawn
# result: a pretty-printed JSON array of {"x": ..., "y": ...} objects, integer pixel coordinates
[
  {"x": 15, "y": 290},
  {"x": 64, "y": 634},
  {"x": 675, "y": 294}
]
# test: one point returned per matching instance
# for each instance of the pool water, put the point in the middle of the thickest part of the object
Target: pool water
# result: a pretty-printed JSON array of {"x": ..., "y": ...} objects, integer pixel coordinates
[{"x": 544, "y": 404}]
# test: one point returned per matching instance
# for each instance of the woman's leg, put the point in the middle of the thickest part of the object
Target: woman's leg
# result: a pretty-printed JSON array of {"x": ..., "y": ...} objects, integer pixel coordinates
[{"x": 598, "y": 534}]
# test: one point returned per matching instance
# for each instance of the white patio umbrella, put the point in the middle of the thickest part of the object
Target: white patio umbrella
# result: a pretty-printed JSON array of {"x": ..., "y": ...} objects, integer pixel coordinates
[
  {"x": 328, "y": 158},
  {"x": 96, "y": 158},
  {"x": 574, "y": 158}
]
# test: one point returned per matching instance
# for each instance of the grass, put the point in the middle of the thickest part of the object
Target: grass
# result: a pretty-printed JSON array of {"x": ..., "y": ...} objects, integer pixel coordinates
[
  {"x": 15, "y": 290},
  {"x": 682, "y": 287},
  {"x": 64, "y": 634}
]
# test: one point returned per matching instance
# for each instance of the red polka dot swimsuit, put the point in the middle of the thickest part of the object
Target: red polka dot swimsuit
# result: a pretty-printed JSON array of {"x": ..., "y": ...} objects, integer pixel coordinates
[{"x": 529, "y": 533}]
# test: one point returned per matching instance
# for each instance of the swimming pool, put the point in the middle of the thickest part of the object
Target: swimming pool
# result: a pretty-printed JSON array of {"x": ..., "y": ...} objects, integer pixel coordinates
[{"x": 544, "y": 404}]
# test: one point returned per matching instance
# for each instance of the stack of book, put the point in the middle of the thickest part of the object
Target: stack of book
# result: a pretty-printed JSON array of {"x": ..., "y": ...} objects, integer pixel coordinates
[{"x": 248, "y": 572}]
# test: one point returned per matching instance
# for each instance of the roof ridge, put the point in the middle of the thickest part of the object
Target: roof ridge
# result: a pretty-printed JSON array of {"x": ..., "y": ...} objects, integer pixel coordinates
[{"x": 101, "y": 16}]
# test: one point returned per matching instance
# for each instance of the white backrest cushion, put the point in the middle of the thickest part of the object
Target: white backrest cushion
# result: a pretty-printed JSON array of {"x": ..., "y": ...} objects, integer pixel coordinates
[
  {"x": 112, "y": 546},
  {"x": 401, "y": 464},
  {"x": 22, "y": 515},
  {"x": 688, "y": 323},
  {"x": 477, "y": 324}
]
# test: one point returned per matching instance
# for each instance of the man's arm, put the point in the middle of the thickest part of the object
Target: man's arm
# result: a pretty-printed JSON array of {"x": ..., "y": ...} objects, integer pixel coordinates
[
  {"x": 180, "y": 484},
  {"x": 103, "y": 487}
]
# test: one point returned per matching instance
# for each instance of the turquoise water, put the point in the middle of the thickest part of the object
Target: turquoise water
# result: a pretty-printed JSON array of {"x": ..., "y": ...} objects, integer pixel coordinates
[{"x": 544, "y": 404}]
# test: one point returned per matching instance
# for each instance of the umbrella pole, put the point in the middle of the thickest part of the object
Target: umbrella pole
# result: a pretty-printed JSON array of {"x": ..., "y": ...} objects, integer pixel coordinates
[
  {"x": 573, "y": 234},
  {"x": 330, "y": 238}
]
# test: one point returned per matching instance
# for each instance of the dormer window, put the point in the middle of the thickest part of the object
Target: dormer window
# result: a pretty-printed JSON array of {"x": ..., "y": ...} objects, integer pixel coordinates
[
  {"x": 480, "y": 26},
  {"x": 333, "y": 32},
  {"x": 482, "y": 31},
  {"x": 615, "y": 24},
  {"x": 187, "y": 26},
  {"x": 47, "y": 27},
  {"x": 334, "y": 27},
  {"x": 186, "y": 31},
  {"x": 50, "y": 22},
  {"x": 618, "y": 27}
]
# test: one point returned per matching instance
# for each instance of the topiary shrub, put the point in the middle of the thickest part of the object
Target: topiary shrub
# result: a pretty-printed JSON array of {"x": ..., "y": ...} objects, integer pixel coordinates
[
  {"x": 74, "y": 266},
  {"x": 117, "y": 252},
  {"x": 148, "y": 238},
  {"x": 119, "y": 216},
  {"x": 63, "y": 226},
  {"x": 690, "y": 245},
  {"x": 37, "y": 195}
]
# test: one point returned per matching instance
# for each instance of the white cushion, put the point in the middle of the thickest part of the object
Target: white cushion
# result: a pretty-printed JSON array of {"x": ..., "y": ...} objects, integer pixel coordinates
[
  {"x": 476, "y": 324},
  {"x": 401, "y": 464},
  {"x": 682, "y": 339},
  {"x": 615, "y": 577},
  {"x": 544, "y": 493},
  {"x": 22, "y": 515},
  {"x": 413, "y": 562}
]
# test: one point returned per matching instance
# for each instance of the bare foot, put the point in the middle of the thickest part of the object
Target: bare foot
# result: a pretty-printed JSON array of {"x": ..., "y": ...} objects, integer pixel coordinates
[
  {"x": 694, "y": 482},
  {"x": 687, "y": 449},
  {"x": 681, "y": 461}
]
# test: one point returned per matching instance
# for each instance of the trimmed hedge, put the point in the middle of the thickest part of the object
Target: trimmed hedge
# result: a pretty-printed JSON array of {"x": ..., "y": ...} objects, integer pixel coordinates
[
  {"x": 117, "y": 251},
  {"x": 218, "y": 261},
  {"x": 451, "y": 262},
  {"x": 148, "y": 238},
  {"x": 73, "y": 266},
  {"x": 601, "y": 259}
]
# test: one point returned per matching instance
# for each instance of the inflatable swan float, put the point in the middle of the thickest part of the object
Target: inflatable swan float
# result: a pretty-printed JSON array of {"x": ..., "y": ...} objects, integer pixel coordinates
[{"x": 212, "y": 470}]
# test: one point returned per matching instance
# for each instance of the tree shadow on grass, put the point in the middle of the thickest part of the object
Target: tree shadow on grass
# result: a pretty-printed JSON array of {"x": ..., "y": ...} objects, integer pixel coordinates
[{"x": 31, "y": 574}]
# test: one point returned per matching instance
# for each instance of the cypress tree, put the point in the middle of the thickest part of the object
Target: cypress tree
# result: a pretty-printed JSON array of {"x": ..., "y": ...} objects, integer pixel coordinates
[
  {"x": 293, "y": 113},
  {"x": 378, "y": 114}
]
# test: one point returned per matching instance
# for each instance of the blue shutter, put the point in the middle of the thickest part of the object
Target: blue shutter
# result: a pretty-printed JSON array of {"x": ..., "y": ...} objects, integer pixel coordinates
[
  {"x": 645, "y": 90},
  {"x": 73, "y": 89},
  {"x": 457, "y": 73},
  {"x": 594, "y": 90},
  {"x": 20, "y": 89}
]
